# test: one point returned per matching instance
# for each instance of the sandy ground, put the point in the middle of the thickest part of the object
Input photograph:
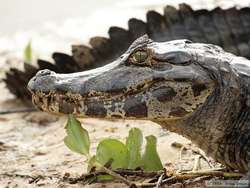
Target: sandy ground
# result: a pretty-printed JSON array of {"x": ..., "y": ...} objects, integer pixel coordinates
[{"x": 32, "y": 153}]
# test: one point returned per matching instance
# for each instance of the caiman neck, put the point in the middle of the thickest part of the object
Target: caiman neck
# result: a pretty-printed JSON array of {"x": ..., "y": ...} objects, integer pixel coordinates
[{"x": 209, "y": 124}]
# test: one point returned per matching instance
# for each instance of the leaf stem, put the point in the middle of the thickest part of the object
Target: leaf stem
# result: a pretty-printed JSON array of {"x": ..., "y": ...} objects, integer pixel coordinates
[{"x": 114, "y": 174}]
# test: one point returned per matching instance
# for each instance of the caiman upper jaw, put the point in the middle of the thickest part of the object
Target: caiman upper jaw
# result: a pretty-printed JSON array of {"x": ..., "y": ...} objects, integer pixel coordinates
[{"x": 43, "y": 81}]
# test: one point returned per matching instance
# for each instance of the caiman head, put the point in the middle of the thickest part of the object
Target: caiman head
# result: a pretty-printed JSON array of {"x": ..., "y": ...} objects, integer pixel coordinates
[
  {"x": 151, "y": 80},
  {"x": 194, "y": 89}
]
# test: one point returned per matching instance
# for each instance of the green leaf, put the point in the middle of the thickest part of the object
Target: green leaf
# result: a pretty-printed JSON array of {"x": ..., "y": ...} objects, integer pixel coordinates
[
  {"x": 91, "y": 163},
  {"x": 150, "y": 158},
  {"x": 134, "y": 144},
  {"x": 28, "y": 53},
  {"x": 68, "y": 142},
  {"x": 77, "y": 138},
  {"x": 112, "y": 149}
]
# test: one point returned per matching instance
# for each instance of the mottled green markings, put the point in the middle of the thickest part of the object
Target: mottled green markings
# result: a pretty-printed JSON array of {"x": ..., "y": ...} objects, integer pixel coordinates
[{"x": 112, "y": 152}]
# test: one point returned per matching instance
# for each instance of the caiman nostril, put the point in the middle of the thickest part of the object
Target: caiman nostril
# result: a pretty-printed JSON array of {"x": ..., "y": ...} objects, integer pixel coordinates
[
  {"x": 45, "y": 72},
  {"x": 44, "y": 81}
]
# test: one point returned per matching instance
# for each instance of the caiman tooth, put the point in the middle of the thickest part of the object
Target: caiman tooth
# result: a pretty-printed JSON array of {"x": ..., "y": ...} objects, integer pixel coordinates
[
  {"x": 237, "y": 29},
  {"x": 206, "y": 24},
  {"x": 175, "y": 23},
  {"x": 137, "y": 28},
  {"x": 191, "y": 25},
  {"x": 224, "y": 31},
  {"x": 120, "y": 40},
  {"x": 65, "y": 63},
  {"x": 47, "y": 65},
  {"x": 157, "y": 27}
]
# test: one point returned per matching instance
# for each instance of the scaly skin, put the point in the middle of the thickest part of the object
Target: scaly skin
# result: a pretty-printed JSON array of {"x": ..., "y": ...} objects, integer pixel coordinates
[{"x": 194, "y": 89}]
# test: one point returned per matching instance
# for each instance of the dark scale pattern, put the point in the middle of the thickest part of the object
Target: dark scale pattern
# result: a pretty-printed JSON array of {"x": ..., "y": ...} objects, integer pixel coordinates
[
  {"x": 157, "y": 27},
  {"x": 175, "y": 22},
  {"x": 96, "y": 108},
  {"x": 192, "y": 27},
  {"x": 164, "y": 94},
  {"x": 224, "y": 31},
  {"x": 66, "y": 106},
  {"x": 233, "y": 149},
  {"x": 208, "y": 27},
  {"x": 198, "y": 88},
  {"x": 233, "y": 19},
  {"x": 135, "y": 108},
  {"x": 178, "y": 112},
  {"x": 137, "y": 28},
  {"x": 244, "y": 14}
]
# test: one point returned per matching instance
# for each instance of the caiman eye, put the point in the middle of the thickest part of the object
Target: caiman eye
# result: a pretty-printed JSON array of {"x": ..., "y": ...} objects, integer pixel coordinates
[{"x": 140, "y": 56}]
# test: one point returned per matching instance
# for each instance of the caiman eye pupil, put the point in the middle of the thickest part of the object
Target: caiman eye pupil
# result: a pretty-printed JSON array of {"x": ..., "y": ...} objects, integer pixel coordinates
[{"x": 140, "y": 56}]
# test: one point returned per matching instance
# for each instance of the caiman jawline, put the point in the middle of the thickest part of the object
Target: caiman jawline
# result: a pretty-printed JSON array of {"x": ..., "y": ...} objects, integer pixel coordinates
[{"x": 95, "y": 95}]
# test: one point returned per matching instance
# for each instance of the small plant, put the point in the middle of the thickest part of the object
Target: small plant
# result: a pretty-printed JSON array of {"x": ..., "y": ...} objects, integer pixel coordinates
[
  {"x": 28, "y": 53},
  {"x": 112, "y": 153}
]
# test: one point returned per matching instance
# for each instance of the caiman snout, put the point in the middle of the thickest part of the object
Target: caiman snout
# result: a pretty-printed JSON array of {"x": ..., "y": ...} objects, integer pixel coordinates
[{"x": 43, "y": 81}]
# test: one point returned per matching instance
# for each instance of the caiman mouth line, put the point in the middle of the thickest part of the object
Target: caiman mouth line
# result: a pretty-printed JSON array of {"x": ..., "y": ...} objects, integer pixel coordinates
[
  {"x": 97, "y": 95},
  {"x": 46, "y": 101},
  {"x": 92, "y": 96}
]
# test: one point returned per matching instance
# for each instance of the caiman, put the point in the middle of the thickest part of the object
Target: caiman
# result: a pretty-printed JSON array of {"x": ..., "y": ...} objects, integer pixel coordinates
[{"x": 194, "y": 89}]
